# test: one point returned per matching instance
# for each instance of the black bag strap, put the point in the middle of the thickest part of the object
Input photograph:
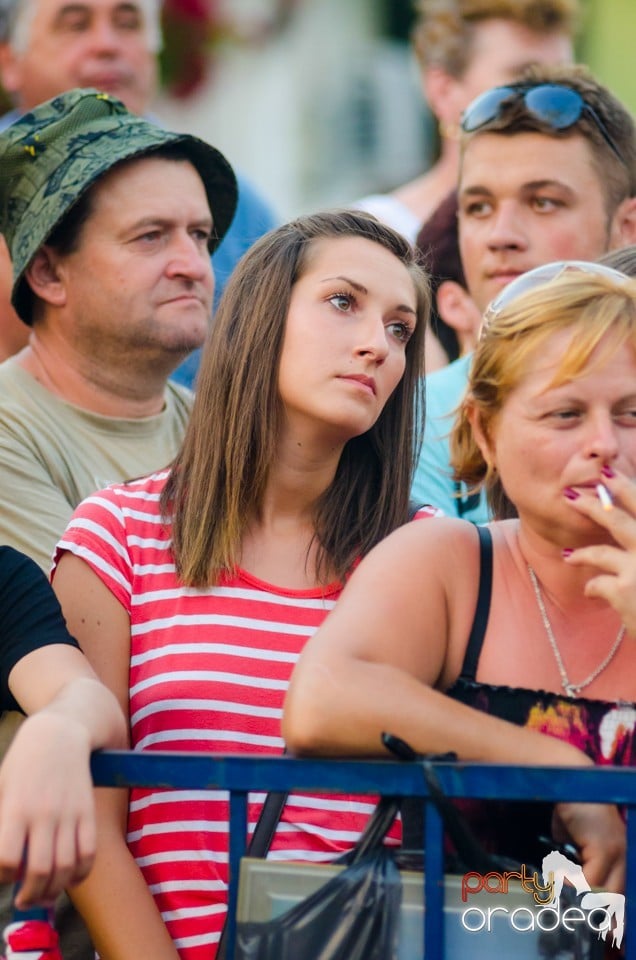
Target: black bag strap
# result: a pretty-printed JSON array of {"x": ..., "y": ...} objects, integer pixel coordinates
[
  {"x": 470, "y": 851},
  {"x": 271, "y": 812},
  {"x": 378, "y": 825},
  {"x": 261, "y": 841}
]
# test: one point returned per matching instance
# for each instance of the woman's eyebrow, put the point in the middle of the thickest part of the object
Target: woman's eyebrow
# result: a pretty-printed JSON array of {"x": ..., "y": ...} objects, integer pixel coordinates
[
  {"x": 356, "y": 286},
  {"x": 362, "y": 289}
]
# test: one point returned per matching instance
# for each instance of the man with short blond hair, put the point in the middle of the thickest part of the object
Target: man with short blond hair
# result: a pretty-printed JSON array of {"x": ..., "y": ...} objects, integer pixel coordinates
[
  {"x": 463, "y": 47},
  {"x": 548, "y": 172}
]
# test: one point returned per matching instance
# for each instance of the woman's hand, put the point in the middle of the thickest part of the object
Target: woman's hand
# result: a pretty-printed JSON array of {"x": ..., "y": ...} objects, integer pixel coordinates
[
  {"x": 599, "y": 833},
  {"x": 46, "y": 808},
  {"x": 616, "y": 581}
]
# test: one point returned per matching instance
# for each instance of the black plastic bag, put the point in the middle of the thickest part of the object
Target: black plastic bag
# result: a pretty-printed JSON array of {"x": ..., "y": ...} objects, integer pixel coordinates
[{"x": 353, "y": 916}]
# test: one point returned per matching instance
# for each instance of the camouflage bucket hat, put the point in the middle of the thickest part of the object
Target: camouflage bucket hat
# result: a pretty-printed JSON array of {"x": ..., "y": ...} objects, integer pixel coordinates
[{"x": 54, "y": 153}]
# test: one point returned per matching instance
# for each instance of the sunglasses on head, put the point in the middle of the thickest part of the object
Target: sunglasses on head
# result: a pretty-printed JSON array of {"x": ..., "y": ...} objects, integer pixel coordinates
[
  {"x": 554, "y": 104},
  {"x": 539, "y": 277}
]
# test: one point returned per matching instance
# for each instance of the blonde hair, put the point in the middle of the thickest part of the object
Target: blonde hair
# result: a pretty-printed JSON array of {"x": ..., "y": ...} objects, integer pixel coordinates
[
  {"x": 444, "y": 30},
  {"x": 599, "y": 310}
]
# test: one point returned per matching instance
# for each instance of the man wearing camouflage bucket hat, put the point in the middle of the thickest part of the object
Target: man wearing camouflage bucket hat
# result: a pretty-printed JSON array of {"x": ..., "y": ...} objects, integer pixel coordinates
[
  {"x": 50, "y": 46},
  {"x": 51, "y": 156},
  {"x": 110, "y": 221}
]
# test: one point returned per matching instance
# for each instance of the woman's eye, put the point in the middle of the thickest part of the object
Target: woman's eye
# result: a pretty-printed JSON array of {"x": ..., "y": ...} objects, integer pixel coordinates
[
  {"x": 565, "y": 415},
  {"x": 401, "y": 331},
  {"x": 342, "y": 301}
]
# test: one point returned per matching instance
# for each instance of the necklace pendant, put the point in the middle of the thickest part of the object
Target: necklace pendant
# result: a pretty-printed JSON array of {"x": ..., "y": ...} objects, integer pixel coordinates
[{"x": 570, "y": 689}]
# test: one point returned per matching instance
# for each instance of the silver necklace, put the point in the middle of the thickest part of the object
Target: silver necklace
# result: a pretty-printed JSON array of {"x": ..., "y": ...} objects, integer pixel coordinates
[{"x": 571, "y": 689}]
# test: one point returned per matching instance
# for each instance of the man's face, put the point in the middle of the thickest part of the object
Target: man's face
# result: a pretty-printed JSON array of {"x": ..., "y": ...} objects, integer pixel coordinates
[
  {"x": 524, "y": 200},
  {"x": 83, "y": 43},
  {"x": 502, "y": 50},
  {"x": 140, "y": 283}
]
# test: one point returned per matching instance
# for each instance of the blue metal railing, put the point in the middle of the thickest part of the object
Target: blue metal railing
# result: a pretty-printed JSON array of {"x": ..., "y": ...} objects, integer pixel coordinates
[{"x": 245, "y": 773}]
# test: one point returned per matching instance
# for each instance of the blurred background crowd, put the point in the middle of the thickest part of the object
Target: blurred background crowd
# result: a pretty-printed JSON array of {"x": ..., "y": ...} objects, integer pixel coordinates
[{"x": 319, "y": 102}]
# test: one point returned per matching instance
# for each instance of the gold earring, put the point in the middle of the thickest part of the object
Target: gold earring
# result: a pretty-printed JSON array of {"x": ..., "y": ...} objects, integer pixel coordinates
[{"x": 449, "y": 131}]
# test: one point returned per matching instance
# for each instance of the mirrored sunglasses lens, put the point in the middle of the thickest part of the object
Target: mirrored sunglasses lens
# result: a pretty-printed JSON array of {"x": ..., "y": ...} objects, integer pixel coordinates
[
  {"x": 485, "y": 108},
  {"x": 560, "y": 107}
]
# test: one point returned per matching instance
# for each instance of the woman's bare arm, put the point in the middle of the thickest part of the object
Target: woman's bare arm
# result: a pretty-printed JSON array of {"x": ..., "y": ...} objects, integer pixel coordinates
[
  {"x": 394, "y": 641},
  {"x": 114, "y": 900}
]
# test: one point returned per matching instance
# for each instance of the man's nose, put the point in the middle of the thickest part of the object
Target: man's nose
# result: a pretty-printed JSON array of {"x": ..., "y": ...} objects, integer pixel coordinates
[
  {"x": 189, "y": 257},
  {"x": 506, "y": 229}
]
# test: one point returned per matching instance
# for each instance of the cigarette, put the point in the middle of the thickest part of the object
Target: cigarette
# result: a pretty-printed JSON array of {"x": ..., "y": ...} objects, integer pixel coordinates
[{"x": 604, "y": 496}]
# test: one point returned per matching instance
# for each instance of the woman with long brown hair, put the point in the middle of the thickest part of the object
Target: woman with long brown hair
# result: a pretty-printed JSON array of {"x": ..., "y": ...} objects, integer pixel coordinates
[{"x": 194, "y": 590}]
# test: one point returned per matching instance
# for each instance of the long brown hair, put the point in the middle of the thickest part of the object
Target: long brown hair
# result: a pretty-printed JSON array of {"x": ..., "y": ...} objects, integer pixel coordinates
[{"x": 218, "y": 480}]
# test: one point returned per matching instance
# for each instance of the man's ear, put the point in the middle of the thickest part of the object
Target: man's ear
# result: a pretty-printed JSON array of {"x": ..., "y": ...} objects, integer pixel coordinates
[
  {"x": 43, "y": 276},
  {"x": 459, "y": 311},
  {"x": 623, "y": 227},
  {"x": 442, "y": 96},
  {"x": 10, "y": 69}
]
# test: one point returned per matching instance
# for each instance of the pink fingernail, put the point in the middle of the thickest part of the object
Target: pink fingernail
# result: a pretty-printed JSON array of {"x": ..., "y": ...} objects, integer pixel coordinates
[
  {"x": 566, "y": 552},
  {"x": 571, "y": 494},
  {"x": 607, "y": 471}
]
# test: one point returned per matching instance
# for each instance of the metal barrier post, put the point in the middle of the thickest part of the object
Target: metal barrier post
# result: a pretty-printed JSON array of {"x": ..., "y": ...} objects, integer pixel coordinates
[
  {"x": 630, "y": 886},
  {"x": 433, "y": 884},
  {"x": 238, "y": 834}
]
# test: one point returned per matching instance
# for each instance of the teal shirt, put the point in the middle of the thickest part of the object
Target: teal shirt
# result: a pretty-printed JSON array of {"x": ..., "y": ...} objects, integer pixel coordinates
[{"x": 433, "y": 482}]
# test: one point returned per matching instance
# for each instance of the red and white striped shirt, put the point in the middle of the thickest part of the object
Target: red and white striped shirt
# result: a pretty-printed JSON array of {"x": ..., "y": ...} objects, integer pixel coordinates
[{"x": 209, "y": 670}]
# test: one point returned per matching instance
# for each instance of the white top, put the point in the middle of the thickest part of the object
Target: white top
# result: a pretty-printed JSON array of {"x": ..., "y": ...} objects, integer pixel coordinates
[{"x": 385, "y": 207}]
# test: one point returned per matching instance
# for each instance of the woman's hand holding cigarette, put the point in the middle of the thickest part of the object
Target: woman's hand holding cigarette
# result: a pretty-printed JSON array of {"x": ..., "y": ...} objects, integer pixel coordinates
[{"x": 613, "y": 508}]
